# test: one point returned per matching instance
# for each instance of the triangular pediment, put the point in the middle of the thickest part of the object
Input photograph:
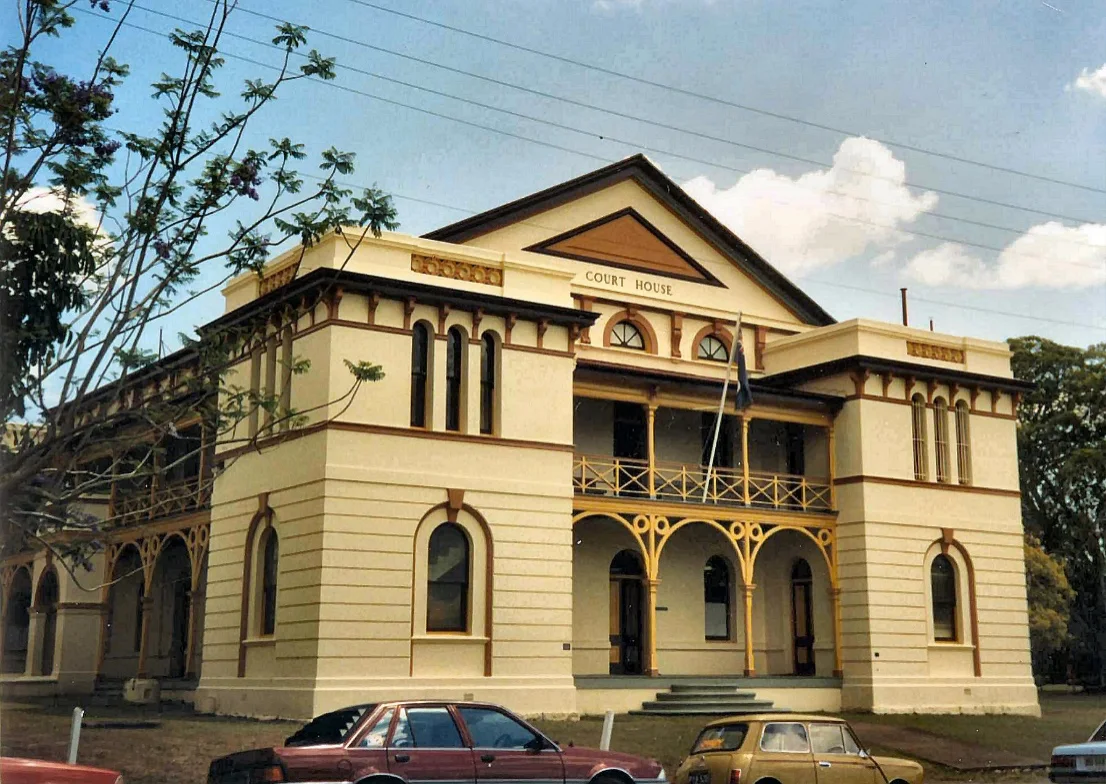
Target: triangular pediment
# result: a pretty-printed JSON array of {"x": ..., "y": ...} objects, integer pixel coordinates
[
  {"x": 625, "y": 239},
  {"x": 631, "y": 215}
]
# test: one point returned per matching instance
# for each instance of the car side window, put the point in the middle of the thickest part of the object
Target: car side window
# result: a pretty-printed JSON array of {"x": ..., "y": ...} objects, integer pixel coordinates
[
  {"x": 852, "y": 745},
  {"x": 378, "y": 733},
  {"x": 1099, "y": 734},
  {"x": 785, "y": 736},
  {"x": 490, "y": 729},
  {"x": 426, "y": 728},
  {"x": 827, "y": 739},
  {"x": 727, "y": 737}
]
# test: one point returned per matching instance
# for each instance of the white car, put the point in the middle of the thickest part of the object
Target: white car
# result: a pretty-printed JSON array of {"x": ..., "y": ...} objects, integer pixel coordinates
[{"x": 1081, "y": 763}]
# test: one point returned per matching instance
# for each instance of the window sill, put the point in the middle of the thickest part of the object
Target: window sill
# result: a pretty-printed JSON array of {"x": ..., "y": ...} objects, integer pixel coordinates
[
  {"x": 951, "y": 645},
  {"x": 259, "y": 642},
  {"x": 448, "y": 637}
]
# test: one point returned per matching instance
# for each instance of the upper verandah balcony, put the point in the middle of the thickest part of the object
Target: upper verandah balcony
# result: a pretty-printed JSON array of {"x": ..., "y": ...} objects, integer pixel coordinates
[{"x": 656, "y": 452}]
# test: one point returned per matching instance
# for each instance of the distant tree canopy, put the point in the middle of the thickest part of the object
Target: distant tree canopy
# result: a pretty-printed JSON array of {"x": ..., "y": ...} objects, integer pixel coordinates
[
  {"x": 1050, "y": 597},
  {"x": 1062, "y": 462}
]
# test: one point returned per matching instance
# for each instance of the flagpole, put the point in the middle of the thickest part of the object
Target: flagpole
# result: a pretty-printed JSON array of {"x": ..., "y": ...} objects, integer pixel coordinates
[{"x": 722, "y": 404}]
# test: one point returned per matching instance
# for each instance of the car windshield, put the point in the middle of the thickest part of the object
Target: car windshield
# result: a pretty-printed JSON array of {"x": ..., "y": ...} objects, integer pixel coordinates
[
  {"x": 727, "y": 737},
  {"x": 330, "y": 728}
]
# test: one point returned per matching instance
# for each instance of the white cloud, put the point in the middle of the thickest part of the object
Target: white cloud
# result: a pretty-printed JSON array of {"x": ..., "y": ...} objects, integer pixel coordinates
[
  {"x": 1049, "y": 255},
  {"x": 53, "y": 200},
  {"x": 821, "y": 218},
  {"x": 1090, "y": 81}
]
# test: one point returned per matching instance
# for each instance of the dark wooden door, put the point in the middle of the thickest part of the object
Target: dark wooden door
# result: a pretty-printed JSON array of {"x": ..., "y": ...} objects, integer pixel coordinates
[
  {"x": 626, "y": 626},
  {"x": 802, "y": 621},
  {"x": 178, "y": 648}
]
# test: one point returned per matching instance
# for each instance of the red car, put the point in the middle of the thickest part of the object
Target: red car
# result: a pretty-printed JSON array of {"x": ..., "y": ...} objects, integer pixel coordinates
[
  {"x": 429, "y": 743},
  {"x": 14, "y": 770}
]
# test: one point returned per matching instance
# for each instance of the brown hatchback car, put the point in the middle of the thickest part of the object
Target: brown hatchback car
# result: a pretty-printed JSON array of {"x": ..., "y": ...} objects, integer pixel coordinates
[
  {"x": 429, "y": 743},
  {"x": 787, "y": 748}
]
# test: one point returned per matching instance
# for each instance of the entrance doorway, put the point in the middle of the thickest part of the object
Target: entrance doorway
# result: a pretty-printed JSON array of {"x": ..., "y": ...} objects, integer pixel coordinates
[
  {"x": 178, "y": 646},
  {"x": 625, "y": 607},
  {"x": 802, "y": 622}
]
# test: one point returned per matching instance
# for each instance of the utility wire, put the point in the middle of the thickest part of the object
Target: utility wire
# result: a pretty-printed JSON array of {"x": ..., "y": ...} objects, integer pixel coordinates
[
  {"x": 644, "y": 120},
  {"x": 557, "y": 230},
  {"x": 551, "y": 145},
  {"x": 720, "y": 101}
]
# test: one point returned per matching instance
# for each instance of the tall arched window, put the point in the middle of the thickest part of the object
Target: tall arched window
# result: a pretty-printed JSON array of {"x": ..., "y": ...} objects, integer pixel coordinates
[
  {"x": 941, "y": 438},
  {"x": 270, "y": 557},
  {"x": 454, "y": 356},
  {"x": 447, "y": 580},
  {"x": 716, "y": 596},
  {"x": 918, "y": 421},
  {"x": 712, "y": 348},
  {"x": 942, "y": 582},
  {"x": 963, "y": 444},
  {"x": 489, "y": 372},
  {"x": 420, "y": 360},
  {"x": 626, "y": 335}
]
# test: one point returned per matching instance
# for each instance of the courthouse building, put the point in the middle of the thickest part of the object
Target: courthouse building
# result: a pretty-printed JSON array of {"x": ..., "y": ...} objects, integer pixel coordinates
[{"x": 520, "y": 511}]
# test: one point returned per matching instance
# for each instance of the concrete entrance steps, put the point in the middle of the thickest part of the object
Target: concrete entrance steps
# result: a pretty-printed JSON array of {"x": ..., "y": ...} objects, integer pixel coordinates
[{"x": 705, "y": 699}]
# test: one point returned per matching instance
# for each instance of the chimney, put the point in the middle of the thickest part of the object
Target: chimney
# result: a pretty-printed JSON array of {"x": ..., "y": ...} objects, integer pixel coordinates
[{"x": 905, "y": 321}]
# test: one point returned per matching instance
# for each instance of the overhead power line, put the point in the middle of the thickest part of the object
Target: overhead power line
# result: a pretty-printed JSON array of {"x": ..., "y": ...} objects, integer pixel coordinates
[
  {"x": 655, "y": 123},
  {"x": 720, "y": 101},
  {"x": 441, "y": 115},
  {"x": 557, "y": 230}
]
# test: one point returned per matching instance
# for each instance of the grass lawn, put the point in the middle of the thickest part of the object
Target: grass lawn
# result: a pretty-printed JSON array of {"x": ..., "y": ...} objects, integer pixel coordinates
[{"x": 179, "y": 750}]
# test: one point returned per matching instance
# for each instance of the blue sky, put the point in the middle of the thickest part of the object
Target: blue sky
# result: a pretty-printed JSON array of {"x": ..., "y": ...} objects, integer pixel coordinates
[{"x": 987, "y": 81}]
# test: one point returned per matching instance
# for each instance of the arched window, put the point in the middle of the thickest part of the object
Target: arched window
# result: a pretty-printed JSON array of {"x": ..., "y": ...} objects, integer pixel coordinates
[
  {"x": 918, "y": 420},
  {"x": 454, "y": 361},
  {"x": 942, "y": 581},
  {"x": 626, "y": 335},
  {"x": 489, "y": 372},
  {"x": 420, "y": 360},
  {"x": 447, "y": 588},
  {"x": 270, "y": 557},
  {"x": 963, "y": 444},
  {"x": 716, "y": 596},
  {"x": 941, "y": 438},
  {"x": 714, "y": 349}
]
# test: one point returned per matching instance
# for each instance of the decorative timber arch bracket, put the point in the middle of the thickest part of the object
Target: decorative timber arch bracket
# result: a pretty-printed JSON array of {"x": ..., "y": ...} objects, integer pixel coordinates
[{"x": 651, "y": 532}]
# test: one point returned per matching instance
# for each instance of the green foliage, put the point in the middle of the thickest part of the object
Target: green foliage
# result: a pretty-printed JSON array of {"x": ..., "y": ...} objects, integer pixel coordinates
[
  {"x": 1050, "y": 597},
  {"x": 1062, "y": 462},
  {"x": 80, "y": 300},
  {"x": 365, "y": 371}
]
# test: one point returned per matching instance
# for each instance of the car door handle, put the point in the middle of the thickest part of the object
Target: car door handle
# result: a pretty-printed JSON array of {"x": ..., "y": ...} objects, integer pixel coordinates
[
  {"x": 822, "y": 764},
  {"x": 403, "y": 758},
  {"x": 489, "y": 758}
]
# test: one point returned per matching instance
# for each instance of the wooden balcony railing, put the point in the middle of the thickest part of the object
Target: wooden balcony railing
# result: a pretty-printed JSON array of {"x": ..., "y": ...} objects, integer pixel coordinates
[
  {"x": 629, "y": 478},
  {"x": 162, "y": 500}
]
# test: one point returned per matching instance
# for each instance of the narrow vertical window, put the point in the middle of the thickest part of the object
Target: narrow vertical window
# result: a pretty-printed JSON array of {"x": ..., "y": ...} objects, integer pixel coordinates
[
  {"x": 918, "y": 420},
  {"x": 942, "y": 580},
  {"x": 455, "y": 348},
  {"x": 488, "y": 373},
  {"x": 941, "y": 438},
  {"x": 270, "y": 559},
  {"x": 716, "y": 596},
  {"x": 420, "y": 349},
  {"x": 447, "y": 589},
  {"x": 963, "y": 444}
]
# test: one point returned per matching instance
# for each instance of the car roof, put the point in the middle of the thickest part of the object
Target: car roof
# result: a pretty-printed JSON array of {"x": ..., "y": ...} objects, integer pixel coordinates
[{"x": 744, "y": 718}]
